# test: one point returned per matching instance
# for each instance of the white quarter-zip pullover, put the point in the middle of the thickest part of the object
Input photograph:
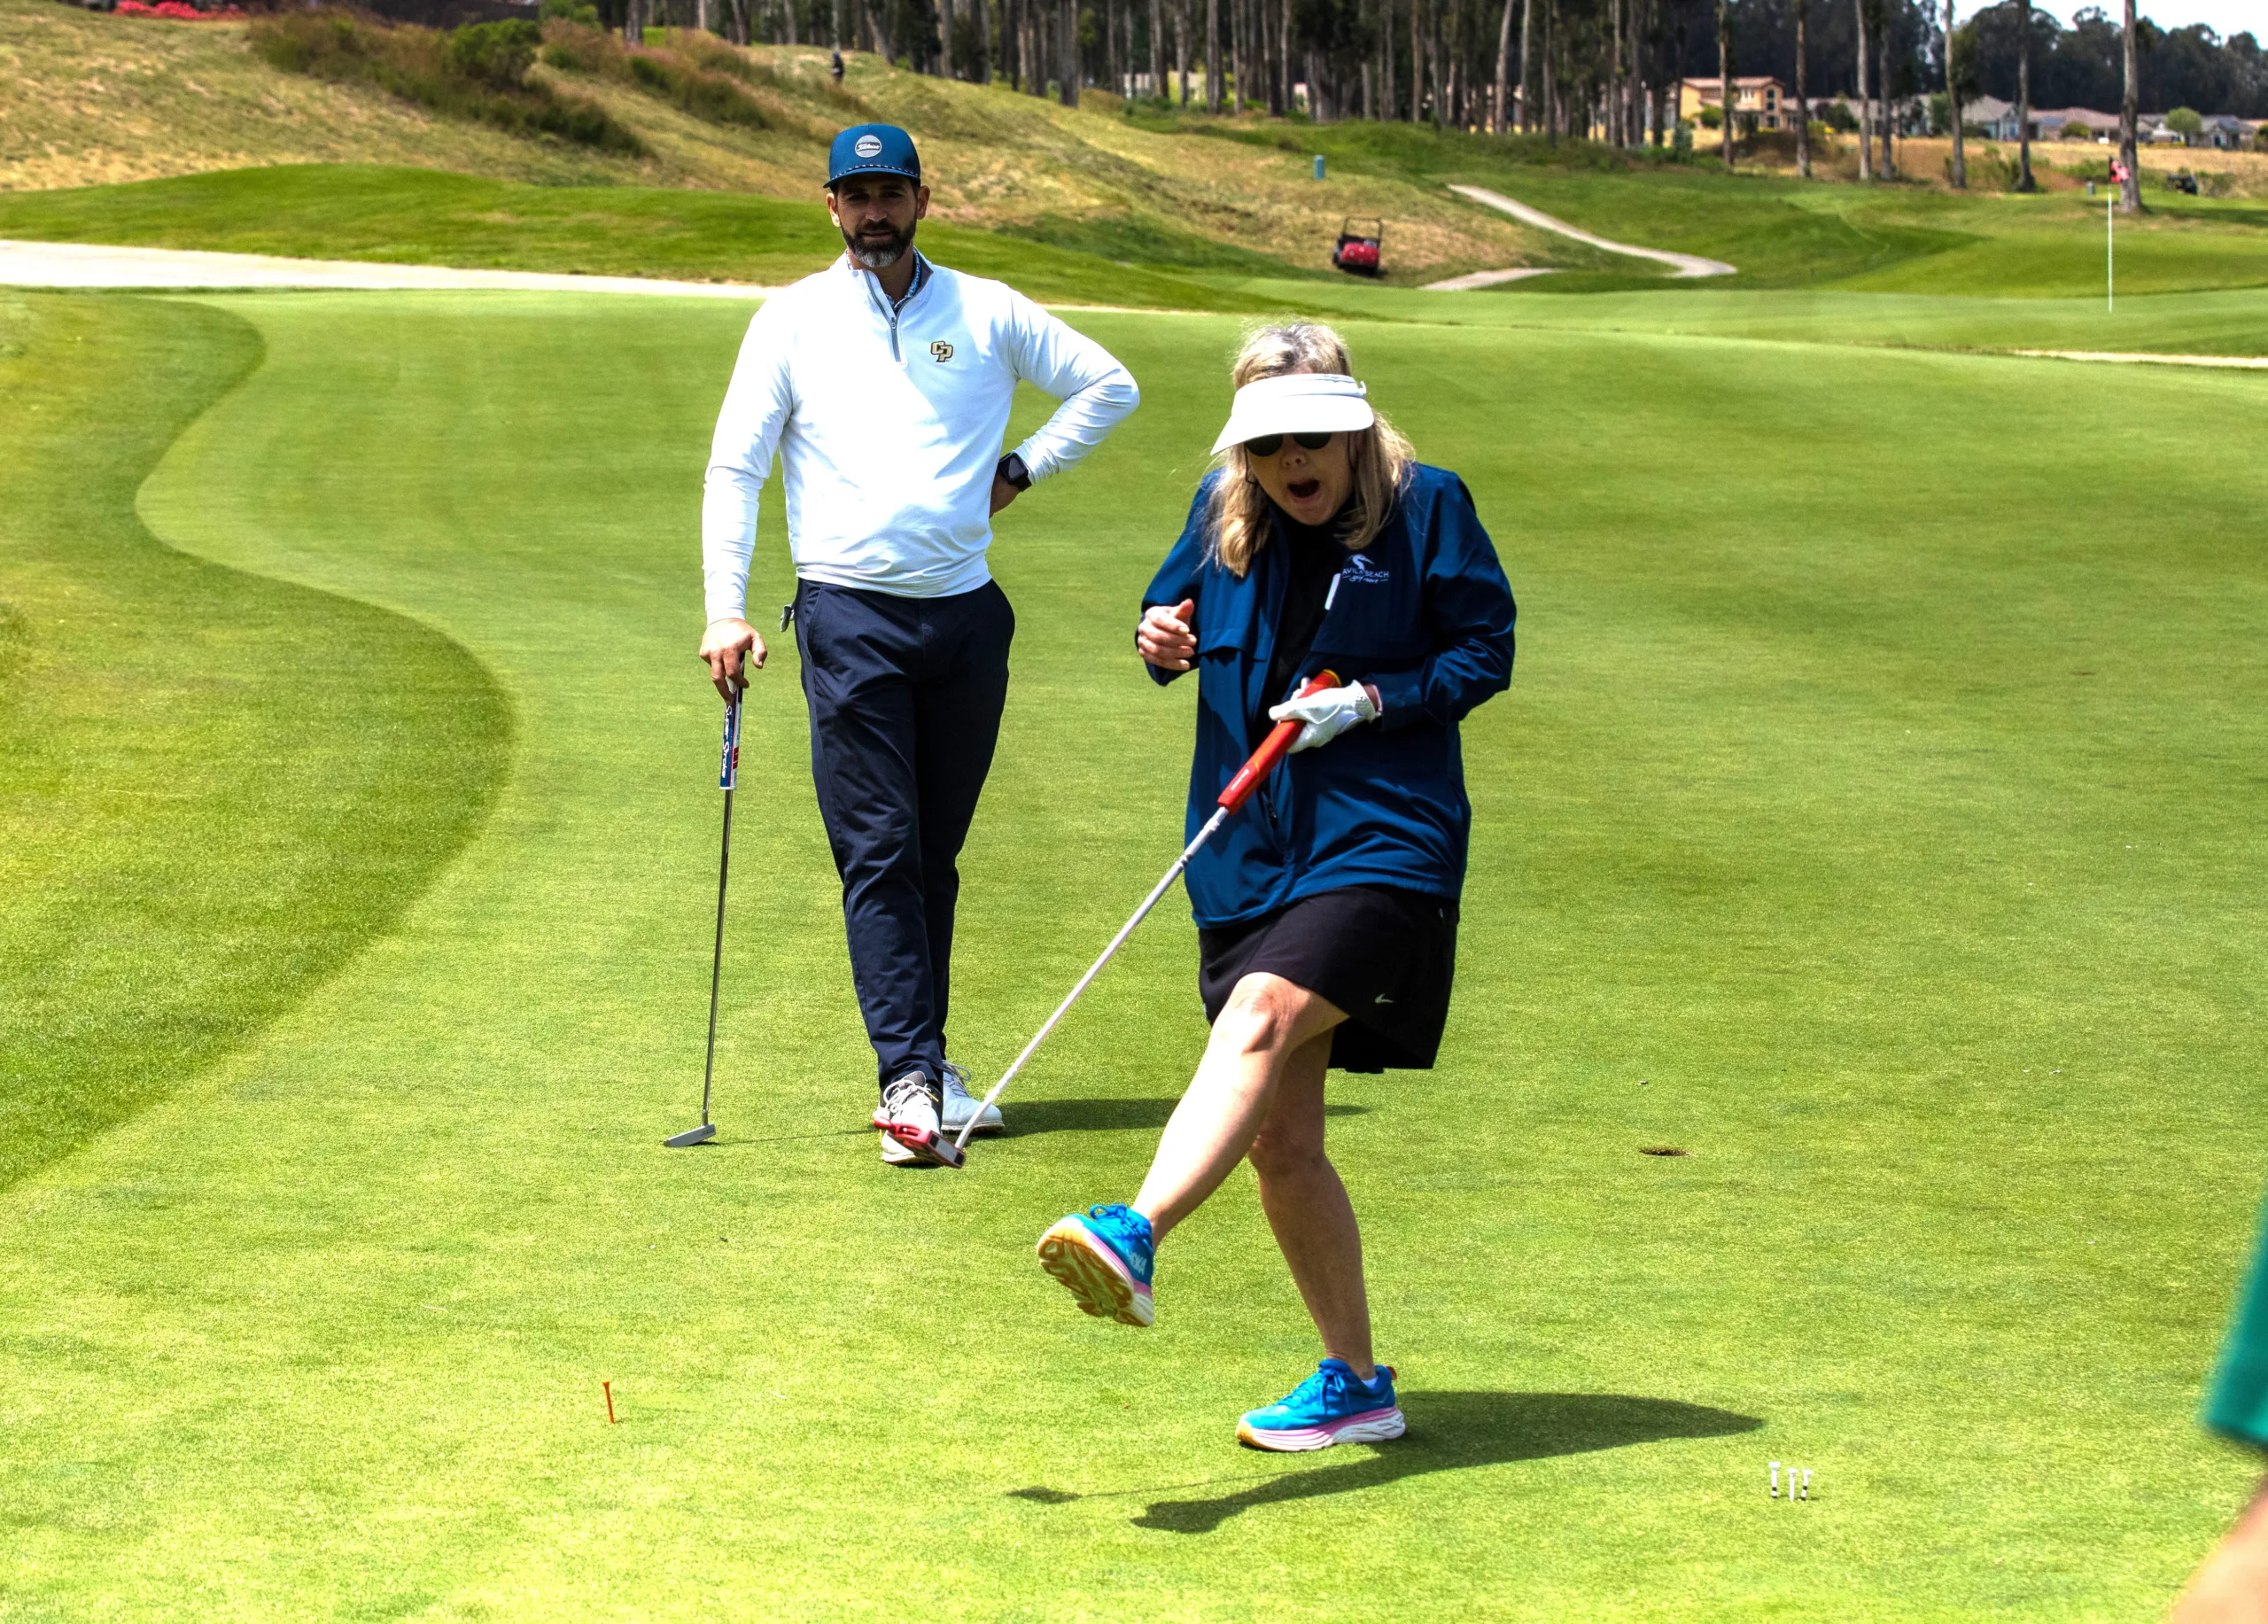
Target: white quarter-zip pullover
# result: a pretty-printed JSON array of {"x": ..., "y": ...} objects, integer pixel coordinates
[{"x": 887, "y": 424}]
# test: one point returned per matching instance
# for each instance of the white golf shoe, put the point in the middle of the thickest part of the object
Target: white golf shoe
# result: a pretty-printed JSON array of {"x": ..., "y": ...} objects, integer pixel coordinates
[
  {"x": 911, "y": 1135},
  {"x": 960, "y": 1105}
]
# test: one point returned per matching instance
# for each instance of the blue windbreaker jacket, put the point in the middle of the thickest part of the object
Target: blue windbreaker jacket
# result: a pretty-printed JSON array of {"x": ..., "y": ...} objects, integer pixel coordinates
[{"x": 1424, "y": 613}]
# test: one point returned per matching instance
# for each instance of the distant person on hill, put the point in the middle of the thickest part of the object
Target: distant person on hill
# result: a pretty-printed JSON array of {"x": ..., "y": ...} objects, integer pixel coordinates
[
  {"x": 1326, "y": 910},
  {"x": 883, "y": 382},
  {"x": 2231, "y": 1587},
  {"x": 835, "y": 67}
]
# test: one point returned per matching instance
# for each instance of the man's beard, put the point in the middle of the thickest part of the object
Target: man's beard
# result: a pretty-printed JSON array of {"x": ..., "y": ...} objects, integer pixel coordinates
[{"x": 880, "y": 259}]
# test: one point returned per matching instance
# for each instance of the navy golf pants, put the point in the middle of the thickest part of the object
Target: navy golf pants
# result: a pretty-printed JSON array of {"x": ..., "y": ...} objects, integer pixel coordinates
[{"x": 905, "y": 696}]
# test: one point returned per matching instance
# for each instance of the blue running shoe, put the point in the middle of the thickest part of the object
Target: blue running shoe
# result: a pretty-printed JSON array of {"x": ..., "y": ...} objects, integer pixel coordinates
[
  {"x": 1332, "y": 1406},
  {"x": 1104, "y": 1255}
]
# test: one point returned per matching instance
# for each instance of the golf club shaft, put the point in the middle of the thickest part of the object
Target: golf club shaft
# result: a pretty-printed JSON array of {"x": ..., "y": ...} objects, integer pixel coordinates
[
  {"x": 717, "y": 961},
  {"x": 1263, "y": 761},
  {"x": 728, "y": 778},
  {"x": 1095, "y": 969}
]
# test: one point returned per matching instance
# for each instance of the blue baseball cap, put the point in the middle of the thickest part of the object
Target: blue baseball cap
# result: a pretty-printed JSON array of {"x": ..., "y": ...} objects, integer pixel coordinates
[{"x": 873, "y": 149}]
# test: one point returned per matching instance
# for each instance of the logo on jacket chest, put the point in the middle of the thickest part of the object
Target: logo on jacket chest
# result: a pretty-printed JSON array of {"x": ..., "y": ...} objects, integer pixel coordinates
[
  {"x": 941, "y": 352},
  {"x": 1362, "y": 572}
]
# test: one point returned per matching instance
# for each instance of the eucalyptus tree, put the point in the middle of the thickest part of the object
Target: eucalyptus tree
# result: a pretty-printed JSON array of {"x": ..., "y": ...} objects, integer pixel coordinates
[
  {"x": 1957, "y": 45},
  {"x": 1866, "y": 107},
  {"x": 1803, "y": 90},
  {"x": 2130, "y": 189},
  {"x": 1726, "y": 98},
  {"x": 2023, "y": 95}
]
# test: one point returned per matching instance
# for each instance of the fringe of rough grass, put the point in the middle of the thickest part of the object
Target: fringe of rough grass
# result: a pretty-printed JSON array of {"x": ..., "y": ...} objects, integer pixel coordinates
[{"x": 478, "y": 72}]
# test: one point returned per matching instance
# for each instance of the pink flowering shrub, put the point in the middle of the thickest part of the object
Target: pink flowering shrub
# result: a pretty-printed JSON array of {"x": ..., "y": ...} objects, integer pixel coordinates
[{"x": 175, "y": 12}]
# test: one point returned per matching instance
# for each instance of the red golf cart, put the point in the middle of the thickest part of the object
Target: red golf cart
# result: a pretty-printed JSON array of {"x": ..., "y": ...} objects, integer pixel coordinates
[{"x": 1357, "y": 253}]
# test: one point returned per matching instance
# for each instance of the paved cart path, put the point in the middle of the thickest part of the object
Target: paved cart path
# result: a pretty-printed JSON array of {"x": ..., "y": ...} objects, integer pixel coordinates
[
  {"x": 93, "y": 265},
  {"x": 1685, "y": 264},
  {"x": 1487, "y": 278}
]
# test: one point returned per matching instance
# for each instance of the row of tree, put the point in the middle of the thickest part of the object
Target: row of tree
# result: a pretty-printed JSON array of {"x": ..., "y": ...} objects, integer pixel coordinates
[{"x": 1604, "y": 68}]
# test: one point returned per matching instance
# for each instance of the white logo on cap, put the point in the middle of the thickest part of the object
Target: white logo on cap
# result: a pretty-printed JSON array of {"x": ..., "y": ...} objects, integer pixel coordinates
[{"x": 867, "y": 146}]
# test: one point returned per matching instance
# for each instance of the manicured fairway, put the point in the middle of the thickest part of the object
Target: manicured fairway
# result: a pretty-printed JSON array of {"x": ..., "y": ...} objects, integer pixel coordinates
[{"x": 1874, "y": 815}]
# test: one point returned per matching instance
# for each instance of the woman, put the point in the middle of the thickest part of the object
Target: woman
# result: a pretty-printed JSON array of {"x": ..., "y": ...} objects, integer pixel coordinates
[{"x": 1327, "y": 908}]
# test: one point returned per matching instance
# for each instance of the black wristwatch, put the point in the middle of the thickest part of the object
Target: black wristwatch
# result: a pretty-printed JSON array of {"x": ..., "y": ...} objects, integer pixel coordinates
[{"x": 1012, "y": 469}]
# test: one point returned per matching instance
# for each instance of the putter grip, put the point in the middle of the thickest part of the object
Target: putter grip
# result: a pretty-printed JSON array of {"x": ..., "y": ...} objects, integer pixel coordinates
[{"x": 1272, "y": 749}]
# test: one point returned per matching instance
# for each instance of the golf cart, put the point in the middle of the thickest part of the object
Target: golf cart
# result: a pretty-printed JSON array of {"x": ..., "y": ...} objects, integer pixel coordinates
[{"x": 1357, "y": 251}]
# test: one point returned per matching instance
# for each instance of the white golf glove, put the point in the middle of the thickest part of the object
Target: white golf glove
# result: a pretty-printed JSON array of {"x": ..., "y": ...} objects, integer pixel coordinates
[{"x": 1327, "y": 714}]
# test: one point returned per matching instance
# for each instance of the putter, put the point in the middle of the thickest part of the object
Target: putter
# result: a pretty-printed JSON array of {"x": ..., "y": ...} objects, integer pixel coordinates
[
  {"x": 728, "y": 775},
  {"x": 1249, "y": 778}
]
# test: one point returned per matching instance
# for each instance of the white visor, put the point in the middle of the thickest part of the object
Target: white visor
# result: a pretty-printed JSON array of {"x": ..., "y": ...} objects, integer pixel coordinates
[{"x": 1296, "y": 403}]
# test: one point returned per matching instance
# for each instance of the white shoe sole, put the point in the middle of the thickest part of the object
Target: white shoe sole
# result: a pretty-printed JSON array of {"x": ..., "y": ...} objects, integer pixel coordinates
[
  {"x": 986, "y": 1127},
  {"x": 895, "y": 1155},
  {"x": 1372, "y": 1426}
]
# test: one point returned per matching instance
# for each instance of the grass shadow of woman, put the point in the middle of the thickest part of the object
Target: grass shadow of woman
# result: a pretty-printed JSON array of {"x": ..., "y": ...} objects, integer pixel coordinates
[{"x": 1451, "y": 1431}]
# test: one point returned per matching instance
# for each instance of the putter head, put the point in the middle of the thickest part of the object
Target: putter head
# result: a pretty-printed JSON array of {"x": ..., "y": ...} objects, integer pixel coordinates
[{"x": 691, "y": 1136}]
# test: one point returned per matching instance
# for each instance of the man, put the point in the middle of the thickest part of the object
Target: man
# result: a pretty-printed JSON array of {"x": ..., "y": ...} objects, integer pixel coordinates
[{"x": 884, "y": 384}]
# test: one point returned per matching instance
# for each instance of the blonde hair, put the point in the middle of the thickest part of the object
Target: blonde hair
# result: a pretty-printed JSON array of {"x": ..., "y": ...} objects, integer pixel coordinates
[{"x": 1238, "y": 514}]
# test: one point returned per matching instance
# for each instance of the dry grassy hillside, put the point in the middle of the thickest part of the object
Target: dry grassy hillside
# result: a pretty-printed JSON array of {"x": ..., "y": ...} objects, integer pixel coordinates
[{"x": 86, "y": 98}]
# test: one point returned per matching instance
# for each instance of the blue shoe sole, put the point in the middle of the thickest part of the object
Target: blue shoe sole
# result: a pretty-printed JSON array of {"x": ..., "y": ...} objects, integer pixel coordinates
[{"x": 1093, "y": 1274}]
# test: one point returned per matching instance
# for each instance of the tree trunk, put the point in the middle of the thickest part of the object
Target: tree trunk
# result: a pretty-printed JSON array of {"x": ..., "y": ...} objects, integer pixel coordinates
[
  {"x": 1417, "y": 62},
  {"x": 1436, "y": 81},
  {"x": 1501, "y": 112},
  {"x": 1527, "y": 81},
  {"x": 1271, "y": 55},
  {"x": 1884, "y": 112},
  {"x": 1866, "y": 107},
  {"x": 1802, "y": 90},
  {"x": 1158, "y": 48},
  {"x": 1614, "y": 31},
  {"x": 1066, "y": 22},
  {"x": 1236, "y": 55},
  {"x": 944, "y": 38},
  {"x": 2024, "y": 96},
  {"x": 1953, "y": 102},
  {"x": 1549, "y": 68},
  {"x": 2130, "y": 189},
  {"x": 1389, "y": 91},
  {"x": 1280, "y": 24},
  {"x": 1727, "y": 97},
  {"x": 1212, "y": 56},
  {"x": 1181, "y": 45}
]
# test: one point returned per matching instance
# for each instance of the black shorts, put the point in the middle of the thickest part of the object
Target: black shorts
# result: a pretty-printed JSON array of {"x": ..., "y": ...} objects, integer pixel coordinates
[{"x": 1384, "y": 955}]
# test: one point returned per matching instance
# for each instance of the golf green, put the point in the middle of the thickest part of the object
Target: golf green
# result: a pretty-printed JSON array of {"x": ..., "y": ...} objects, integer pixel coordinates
[{"x": 1873, "y": 817}]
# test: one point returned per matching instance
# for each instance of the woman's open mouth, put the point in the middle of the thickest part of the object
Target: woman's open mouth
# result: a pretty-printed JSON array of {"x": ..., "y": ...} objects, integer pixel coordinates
[{"x": 1302, "y": 490}]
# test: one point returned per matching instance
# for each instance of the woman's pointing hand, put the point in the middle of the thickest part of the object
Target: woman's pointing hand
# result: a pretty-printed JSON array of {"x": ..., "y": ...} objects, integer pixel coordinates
[{"x": 1164, "y": 638}]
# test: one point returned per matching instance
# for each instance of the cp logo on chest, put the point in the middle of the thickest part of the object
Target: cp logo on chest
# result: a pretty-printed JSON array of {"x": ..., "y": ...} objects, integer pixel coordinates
[{"x": 941, "y": 351}]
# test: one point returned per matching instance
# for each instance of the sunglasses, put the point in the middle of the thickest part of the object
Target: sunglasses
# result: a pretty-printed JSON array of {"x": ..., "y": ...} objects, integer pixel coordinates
[{"x": 1269, "y": 445}]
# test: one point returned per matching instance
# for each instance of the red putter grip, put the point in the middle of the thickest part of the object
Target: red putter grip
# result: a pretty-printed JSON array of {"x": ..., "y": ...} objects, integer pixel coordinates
[{"x": 1272, "y": 750}]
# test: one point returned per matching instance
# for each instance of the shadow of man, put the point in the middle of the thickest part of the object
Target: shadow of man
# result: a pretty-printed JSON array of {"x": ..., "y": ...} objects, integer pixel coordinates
[{"x": 1449, "y": 1431}]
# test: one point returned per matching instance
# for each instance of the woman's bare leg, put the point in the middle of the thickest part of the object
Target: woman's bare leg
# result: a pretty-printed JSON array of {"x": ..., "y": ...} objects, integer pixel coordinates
[
  {"x": 2231, "y": 1587},
  {"x": 1307, "y": 1207},
  {"x": 1259, "y": 1091},
  {"x": 1267, "y": 1018}
]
